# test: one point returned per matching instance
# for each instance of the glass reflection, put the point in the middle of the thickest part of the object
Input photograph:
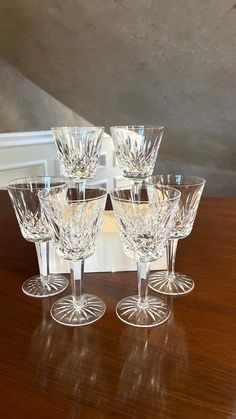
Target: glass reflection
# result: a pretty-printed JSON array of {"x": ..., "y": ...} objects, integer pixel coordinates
[
  {"x": 42, "y": 346},
  {"x": 66, "y": 359},
  {"x": 154, "y": 359}
]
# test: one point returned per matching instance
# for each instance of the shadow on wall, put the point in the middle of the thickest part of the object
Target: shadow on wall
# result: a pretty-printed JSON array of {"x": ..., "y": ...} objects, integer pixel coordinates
[{"x": 218, "y": 182}]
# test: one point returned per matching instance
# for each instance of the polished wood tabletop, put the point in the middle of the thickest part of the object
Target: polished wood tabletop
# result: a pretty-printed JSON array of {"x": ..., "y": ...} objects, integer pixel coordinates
[{"x": 185, "y": 368}]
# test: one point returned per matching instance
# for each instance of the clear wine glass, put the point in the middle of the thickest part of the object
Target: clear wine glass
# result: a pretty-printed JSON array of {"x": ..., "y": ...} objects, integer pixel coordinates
[
  {"x": 24, "y": 197},
  {"x": 74, "y": 219},
  {"x": 136, "y": 148},
  {"x": 191, "y": 187},
  {"x": 78, "y": 150},
  {"x": 144, "y": 227}
]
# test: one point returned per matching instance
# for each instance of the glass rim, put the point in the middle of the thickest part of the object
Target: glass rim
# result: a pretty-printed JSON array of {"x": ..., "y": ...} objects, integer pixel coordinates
[
  {"x": 12, "y": 184},
  {"x": 64, "y": 128},
  {"x": 178, "y": 194},
  {"x": 161, "y": 127},
  {"x": 201, "y": 180},
  {"x": 41, "y": 197}
]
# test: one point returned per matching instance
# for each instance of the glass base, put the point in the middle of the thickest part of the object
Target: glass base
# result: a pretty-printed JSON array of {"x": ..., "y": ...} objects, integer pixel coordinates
[
  {"x": 86, "y": 310},
  {"x": 177, "y": 284},
  {"x": 151, "y": 313},
  {"x": 38, "y": 288}
]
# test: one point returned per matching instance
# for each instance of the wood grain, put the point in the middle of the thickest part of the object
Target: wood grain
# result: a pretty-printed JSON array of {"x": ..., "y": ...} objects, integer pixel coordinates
[{"x": 184, "y": 369}]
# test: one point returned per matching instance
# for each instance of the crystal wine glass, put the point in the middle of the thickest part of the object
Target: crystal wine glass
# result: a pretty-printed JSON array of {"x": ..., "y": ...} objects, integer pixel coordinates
[
  {"x": 144, "y": 227},
  {"x": 74, "y": 219},
  {"x": 78, "y": 150},
  {"x": 136, "y": 148},
  {"x": 191, "y": 187},
  {"x": 24, "y": 197}
]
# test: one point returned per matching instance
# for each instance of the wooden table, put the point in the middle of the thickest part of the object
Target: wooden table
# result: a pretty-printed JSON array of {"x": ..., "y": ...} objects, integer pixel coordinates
[{"x": 185, "y": 368}]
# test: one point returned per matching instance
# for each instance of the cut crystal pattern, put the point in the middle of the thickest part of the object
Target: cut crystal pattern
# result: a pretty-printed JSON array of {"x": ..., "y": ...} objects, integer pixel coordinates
[
  {"x": 78, "y": 150},
  {"x": 136, "y": 149}
]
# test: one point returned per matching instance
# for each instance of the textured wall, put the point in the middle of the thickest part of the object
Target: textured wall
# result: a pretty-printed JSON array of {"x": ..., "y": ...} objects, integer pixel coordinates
[
  {"x": 25, "y": 107},
  {"x": 128, "y": 61}
]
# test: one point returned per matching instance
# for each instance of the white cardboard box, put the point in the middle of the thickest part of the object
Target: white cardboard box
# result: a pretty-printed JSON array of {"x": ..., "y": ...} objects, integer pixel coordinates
[{"x": 109, "y": 255}]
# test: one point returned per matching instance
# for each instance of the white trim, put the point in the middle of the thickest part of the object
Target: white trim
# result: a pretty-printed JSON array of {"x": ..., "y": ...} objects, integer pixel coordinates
[
  {"x": 20, "y": 165},
  {"x": 16, "y": 139},
  {"x": 102, "y": 154}
]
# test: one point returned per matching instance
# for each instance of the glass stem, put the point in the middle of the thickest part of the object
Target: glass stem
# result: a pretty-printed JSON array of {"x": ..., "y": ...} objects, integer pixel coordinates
[
  {"x": 143, "y": 279},
  {"x": 80, "y": 186},
  {"x": 136, "y": 187},
  {"x": 171, "y": 248},
  {"x": 77, "y": 280},
  {"x": 42, "y": 249}
]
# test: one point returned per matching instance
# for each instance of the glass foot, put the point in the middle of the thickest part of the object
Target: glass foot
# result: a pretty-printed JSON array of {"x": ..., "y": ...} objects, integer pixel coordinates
[
  {"x": 86, "y": 310},
  {"x": 53, "y": 285},
  {"x": 177, "y": 284},
  {"x": 151, "y": 313}
]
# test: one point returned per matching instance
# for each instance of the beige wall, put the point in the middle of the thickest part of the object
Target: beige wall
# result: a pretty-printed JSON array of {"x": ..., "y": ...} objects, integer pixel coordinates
[
  {"x": 130, "y": 61},
  {"x": 24, "y": 106}
]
